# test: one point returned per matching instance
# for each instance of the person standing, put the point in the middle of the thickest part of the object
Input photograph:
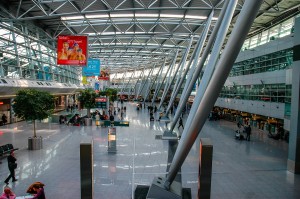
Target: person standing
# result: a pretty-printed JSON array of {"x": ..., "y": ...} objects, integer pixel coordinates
[
  {"x": 248, "y": 132},
  {"x": 8, "y": 194},
  {"x": 180, "y": 123},
  {"x": 4, "y": 119},
  {"x": 12, "y": 165},
  {"x": 111, "y": 118},
  {"x": 97, "y": 118}
]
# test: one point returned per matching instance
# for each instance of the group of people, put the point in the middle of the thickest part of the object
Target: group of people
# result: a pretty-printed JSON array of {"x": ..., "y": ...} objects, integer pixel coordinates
[
  {"x": 72, "y": 107},
  {"x": 71, "y": 53},
  {"x": 247, "y": 130},
  {"x": 36, "y": 189}
]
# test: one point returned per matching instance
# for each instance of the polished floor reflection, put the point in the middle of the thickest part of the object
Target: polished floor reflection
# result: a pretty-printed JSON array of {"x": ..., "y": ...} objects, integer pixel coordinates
[{"x": 241, "y": 169}]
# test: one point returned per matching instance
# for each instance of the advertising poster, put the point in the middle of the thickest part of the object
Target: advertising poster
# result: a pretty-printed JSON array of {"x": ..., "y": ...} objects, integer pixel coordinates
[
  {"x": 72, "y": 50},
  {"x": 84, "y": 80},
  {"x": 104, "y": 74},
  {"x": 92, "y": 68}
]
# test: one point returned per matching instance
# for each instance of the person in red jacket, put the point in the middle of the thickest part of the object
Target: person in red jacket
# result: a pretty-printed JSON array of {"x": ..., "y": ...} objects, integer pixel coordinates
[{"x": 8, "y": 194}]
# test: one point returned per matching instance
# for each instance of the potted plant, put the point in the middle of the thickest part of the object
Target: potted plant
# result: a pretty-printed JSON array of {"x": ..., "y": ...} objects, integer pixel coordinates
[
  {"x": 31, "y": 104},
  {"x": 87, "y": 100},
  {"x": 112, "y": 94}
]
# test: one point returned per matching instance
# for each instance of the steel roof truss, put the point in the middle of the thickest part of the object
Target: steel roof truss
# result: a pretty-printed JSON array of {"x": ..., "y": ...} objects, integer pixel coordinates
[
  {"x": 89, "y": 5},
  {"x": 140, "y": 3},
  {"x": 40, "y": 7},
  {"x": 118, "y": 5},
  {"x": 58, "y": 8}
]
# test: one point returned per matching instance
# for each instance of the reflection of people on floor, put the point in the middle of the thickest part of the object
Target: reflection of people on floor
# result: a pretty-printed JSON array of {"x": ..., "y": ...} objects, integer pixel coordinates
[{"x": 180, "y": 123}]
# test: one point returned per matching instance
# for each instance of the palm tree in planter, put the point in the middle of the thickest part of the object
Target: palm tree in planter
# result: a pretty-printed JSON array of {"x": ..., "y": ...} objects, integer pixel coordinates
[
  {"x": 30, "y": 104},
  {"x": 87, "y": 100}
]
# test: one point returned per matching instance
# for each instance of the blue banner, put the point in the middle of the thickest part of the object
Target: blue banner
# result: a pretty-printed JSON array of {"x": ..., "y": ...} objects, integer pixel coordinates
[
  {"x": 97, "y": 86},
  {"x": 92, "y": 68}
]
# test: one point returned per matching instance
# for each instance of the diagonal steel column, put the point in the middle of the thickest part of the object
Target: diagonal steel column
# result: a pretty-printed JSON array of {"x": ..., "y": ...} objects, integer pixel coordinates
[
  {"x": 230, "y": 7},
  {"x": 174, "y": 76},
  {"x": 140, "y": 85},
  {"x": 180, "y": 76},
  {"x": 210, "y": 67},
  {"x": 153, "y": 82},
  {"x": 158, "y": 84},
  {"x": 168, "y": 82},
  {"x": 230, "y": 53},
  {"x": 142, "y": 75},
  {"x": 148, "y": 81},
  {"x": 121, "y": 78},
  {"x": 129, "y": 82},
  {"x": 124, "y": 81},
  {"x": 141, "y": 88},
  {"x": 197, "y": 51}
]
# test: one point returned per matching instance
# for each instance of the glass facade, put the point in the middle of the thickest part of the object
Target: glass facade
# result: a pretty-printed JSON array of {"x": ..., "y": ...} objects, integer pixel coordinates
[
  {"x": 267, "y": 92},
  {"x": 28, "y": 52},
  {"x": 280, "y": 60},
  {"x": 283, "y": 29}
]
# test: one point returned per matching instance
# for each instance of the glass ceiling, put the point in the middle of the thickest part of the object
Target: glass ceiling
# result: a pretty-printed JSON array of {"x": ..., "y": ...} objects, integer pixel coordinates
[{"x": 133, "y": 34}]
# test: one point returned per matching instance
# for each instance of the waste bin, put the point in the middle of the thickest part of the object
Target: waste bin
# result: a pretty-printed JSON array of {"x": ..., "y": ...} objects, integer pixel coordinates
[
  {"x": 88, "y": 121},
  {"x": 35, "y": 143}
]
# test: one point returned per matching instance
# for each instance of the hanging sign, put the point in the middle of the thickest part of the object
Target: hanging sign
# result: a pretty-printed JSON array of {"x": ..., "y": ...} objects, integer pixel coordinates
[{"x": 72, "y": 50}]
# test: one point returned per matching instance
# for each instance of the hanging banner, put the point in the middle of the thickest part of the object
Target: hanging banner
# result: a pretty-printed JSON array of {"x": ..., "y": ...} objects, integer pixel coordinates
[
  {"x": 72, "y": 50},
  {"x": 84, "y": 80},
  {"x": 97, "y": 86},
  {"x": 104, "y": 74},
  {"x": 92, "y": 68}
]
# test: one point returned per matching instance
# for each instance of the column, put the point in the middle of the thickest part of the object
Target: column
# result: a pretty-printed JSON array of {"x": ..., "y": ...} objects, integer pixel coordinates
[
  {"x": 293, "y": 164},
  {"x": 86, "y": 169}
]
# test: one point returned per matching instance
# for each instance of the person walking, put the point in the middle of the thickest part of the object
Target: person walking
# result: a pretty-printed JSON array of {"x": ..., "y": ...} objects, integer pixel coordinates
[
  {"x": 180, "y": 123},
  {"x": 12, "y": 165},
  {"x": 248, "y": 132}
]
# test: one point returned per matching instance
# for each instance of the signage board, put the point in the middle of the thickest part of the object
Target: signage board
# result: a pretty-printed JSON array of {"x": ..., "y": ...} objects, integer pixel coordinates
[
  {"x": 92, "y": 68},
  {"x": 72, "y": 50}
]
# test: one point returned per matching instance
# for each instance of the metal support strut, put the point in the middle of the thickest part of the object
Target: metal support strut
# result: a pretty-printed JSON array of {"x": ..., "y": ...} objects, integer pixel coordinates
[{"x": 231, "y": 51}]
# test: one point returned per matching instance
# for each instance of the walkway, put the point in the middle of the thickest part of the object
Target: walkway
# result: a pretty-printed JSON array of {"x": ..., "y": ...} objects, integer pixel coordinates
[{"x": 241, "y": 169}]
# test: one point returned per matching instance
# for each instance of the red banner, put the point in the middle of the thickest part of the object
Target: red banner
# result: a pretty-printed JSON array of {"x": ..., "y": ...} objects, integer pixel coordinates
[{"x": 72, "y": 50}]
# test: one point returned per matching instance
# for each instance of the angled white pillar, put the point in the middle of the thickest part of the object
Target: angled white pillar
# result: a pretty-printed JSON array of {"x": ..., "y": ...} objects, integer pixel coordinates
[{"x": 230, "y": 53}]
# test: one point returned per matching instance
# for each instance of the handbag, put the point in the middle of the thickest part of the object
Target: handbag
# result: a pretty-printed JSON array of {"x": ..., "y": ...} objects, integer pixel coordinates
[{"x": 13, "y": 165}]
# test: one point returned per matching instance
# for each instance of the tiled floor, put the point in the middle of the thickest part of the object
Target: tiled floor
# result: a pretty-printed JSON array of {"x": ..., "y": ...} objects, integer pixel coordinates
[{"x": 241, "y": 169}]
